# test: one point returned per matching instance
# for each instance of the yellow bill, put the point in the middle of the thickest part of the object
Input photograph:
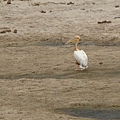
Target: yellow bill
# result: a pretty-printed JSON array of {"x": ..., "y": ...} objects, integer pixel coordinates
[{"x": 71, "y": 41}]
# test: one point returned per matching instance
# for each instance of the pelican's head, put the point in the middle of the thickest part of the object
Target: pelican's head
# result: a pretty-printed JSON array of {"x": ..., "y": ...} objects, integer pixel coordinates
[{"x": 75, "y": 40}]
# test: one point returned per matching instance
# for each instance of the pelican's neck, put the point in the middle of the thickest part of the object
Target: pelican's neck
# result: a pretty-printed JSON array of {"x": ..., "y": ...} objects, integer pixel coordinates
[{"x": 76, "y": 46}]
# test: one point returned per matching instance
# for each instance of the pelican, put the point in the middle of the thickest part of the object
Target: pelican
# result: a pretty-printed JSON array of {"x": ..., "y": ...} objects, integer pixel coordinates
[{"x": 80, "y": 56}]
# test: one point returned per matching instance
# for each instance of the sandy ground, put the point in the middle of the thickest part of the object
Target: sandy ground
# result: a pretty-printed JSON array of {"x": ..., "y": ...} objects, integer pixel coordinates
[{"x": 37, "y": 73}]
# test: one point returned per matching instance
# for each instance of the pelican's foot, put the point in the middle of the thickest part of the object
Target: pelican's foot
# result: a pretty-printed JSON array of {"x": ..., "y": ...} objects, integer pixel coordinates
[
  {"x": 82, "y": 69},
  {"x": 77, "y": 69}
]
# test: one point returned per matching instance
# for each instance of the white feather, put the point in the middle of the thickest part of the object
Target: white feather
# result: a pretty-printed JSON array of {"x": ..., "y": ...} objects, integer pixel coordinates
[{"x": 81, "y": 58}]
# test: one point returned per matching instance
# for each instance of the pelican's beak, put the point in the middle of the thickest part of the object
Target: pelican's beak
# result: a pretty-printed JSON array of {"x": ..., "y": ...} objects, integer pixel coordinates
[{"x": 71, "y": 41}]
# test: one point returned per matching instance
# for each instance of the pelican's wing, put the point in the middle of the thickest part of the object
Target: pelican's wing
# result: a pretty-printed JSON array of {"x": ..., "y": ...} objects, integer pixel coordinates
[{"x": 81, "y": 58}]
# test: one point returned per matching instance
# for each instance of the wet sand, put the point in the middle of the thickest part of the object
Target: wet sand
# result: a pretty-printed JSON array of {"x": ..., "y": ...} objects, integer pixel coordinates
[
  {"x": 37, "y": 75},
  {"x": 101, "y": 114}
]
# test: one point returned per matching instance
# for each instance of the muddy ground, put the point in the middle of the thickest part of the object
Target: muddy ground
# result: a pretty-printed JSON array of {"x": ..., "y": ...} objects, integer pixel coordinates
[{"x": 37, "y": 76}]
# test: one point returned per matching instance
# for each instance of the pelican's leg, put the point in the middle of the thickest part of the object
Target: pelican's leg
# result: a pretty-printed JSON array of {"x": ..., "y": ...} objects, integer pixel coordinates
[{"x": 78, "y": 68}]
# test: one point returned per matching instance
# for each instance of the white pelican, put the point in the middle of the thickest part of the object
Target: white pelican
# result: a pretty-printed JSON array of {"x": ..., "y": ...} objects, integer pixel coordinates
[{"x": 80, "y": 56}]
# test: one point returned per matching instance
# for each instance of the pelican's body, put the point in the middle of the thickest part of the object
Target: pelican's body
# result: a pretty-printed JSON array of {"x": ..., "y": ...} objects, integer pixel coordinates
[
  {"x": 81, "y": 59},
  {"x": 80, "y": 56}
]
